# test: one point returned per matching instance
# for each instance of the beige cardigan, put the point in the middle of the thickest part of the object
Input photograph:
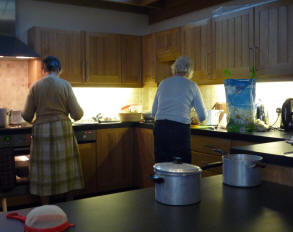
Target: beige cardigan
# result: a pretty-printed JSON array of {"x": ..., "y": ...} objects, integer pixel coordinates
[{"x": 51, "y": 99}]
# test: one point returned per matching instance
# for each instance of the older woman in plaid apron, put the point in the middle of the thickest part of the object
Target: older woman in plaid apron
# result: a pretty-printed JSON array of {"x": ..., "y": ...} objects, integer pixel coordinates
[{"x": 55, "y": 166}]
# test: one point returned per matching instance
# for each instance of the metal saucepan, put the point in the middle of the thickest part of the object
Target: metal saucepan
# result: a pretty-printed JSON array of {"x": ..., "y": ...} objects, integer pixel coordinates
[
  {"x": 240, "y": 170},
  {"x": 4, "y": 118},
  {"x": 177, "y": 183}
]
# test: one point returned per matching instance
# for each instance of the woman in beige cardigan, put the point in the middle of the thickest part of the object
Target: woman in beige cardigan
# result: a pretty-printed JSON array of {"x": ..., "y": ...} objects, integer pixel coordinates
[{"x": 55, "y": 166}]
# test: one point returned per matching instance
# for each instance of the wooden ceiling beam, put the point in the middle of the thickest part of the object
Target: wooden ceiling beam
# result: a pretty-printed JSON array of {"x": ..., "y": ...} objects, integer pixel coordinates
[
  {"x": 174, "y": 8},
  {"x": 157, "y": 10},
  {"x": 142, "y": 3},
  {"x": 110, "y": 5},
  {"x": 147, "y": 2}
]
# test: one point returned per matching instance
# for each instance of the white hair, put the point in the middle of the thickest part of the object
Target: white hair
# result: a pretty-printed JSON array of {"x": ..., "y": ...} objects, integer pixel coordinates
[{"x": 183, "y": 65}]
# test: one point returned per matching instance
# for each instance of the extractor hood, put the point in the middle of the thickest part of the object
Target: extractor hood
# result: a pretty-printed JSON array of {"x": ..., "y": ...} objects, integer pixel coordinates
[{"x": 10, "y": 45}]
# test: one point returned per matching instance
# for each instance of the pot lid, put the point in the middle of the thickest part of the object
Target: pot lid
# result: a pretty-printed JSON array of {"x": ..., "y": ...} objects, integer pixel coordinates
[
  {"x": 244, "y": 157},
  {"x": 174, "y": 167}
]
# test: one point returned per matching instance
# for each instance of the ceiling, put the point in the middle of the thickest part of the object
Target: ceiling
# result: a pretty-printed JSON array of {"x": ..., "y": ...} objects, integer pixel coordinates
[{"x": 157, "y": 10}]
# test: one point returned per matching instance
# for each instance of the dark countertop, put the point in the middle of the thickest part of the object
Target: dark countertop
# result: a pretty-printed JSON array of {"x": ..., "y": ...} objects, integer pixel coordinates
[
  {"x": 82, "y": 126},
  {"x": 272, "y": 152},
  {"x": 261, "y": 137},
  {"x": 270, "y": 136},
  {"x": 266, "y": 208}
]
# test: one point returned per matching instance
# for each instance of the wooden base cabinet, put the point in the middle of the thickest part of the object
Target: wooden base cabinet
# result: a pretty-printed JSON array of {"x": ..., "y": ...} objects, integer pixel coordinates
[
  {"x": 201, "y": 159},
  {"x": 144, "y": 157},
  {"x": 88, "y": 161},
  {"x": 202, "y": 152},
  {"x": 115, "y": 159}
]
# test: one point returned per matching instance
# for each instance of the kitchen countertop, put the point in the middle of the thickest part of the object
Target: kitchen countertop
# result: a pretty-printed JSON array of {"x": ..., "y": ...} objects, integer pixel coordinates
[
  {"x": 272, "y": 152},
  {"x": 27, "y": 128},
  {"x": 261, "y": 137},
  {"x": 266, "y": 208},
  {"x": 269, "y": 136}
]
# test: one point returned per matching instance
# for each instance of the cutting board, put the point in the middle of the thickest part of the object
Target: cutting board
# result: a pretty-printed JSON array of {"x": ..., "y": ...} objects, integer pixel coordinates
[{"x": 201, "y": 127}]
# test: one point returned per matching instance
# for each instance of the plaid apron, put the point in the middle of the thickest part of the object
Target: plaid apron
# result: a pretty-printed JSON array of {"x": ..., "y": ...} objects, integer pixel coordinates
[{"x": 55, "y": 165}]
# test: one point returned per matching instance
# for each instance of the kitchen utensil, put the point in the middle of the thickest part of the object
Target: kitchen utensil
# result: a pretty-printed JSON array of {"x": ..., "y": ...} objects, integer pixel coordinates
[
  {"x": 288, "y": 152},
  {"x": 130, "y": 117},
  {"x": 261, "y": 113},
  {"x": 49, "y": 218},
  {"x": 240, "y": 170},
  {"x": 4, "y": 117},
  {"x": 287, "y": 115},
  {"x": 213, "y": 117},
  {"x": 220, "y": 106},
  {"x": 147, "y": 116},
  {"x": 202, "y": 127},
  {"x": 177, "y": 183},
  {"x": 15, "y": 117}
]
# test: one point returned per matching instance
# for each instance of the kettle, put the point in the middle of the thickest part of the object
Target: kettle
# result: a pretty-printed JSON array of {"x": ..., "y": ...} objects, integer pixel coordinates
[
  {"x": 213, "y": 117},
  {"x": 4, "y": 117},
  {"x": 287, "y": 115}
]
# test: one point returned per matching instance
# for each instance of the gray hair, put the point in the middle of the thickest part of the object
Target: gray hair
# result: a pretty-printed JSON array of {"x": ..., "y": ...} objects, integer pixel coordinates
[{"x": 184, "y": 65}]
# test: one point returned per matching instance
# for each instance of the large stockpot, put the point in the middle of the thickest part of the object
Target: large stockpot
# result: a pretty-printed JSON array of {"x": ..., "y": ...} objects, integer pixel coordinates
[
  {"x": 177, "y": 183},
  {"x": 240, "y": 170}
]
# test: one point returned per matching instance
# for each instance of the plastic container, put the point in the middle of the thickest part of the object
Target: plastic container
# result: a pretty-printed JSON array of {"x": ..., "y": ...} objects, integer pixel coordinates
[{"x": 130, "y": 117}]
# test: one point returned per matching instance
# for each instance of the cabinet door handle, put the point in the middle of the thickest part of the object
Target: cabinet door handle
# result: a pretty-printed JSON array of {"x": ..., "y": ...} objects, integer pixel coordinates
[
  {"x": 249, "y": 67},
  {"x": 207, "y": 63},
  {"x": 83, "y": 70},
  {"x": 254, "y": 57}
]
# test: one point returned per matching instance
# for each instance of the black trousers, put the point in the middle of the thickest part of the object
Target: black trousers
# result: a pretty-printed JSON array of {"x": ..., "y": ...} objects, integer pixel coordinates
[{"x": 171, "y": 139}]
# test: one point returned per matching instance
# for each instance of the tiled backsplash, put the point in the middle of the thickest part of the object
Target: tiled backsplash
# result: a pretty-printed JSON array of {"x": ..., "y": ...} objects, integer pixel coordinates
[
  {"x": 271, "y": 94},
  {"x": 13, "y": 83},
  {"x": 14, "y": 89},
  {"x": 107, "y": 101}
]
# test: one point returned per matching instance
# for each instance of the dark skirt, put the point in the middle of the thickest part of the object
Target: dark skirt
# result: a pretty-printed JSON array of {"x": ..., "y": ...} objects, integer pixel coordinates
[{"x": 171, "y": 139}]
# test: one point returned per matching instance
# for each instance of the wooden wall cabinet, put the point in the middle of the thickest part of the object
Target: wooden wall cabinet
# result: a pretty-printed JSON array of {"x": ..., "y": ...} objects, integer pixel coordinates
[
  {"x": 67, "y": 46},
  {"x": 144, "y": 158},
  {"x": 168, "y": 48},
  {"x": 89, "y": 58},
  {"x": 261, "y": 37},
  {"x": 103, "y": 59},
  {"x": 131, "y": 47},
  {"x": 216, "y": 44},
  {"x": 115, "y": 159},
  {"x": 234, "y": 43},
  {"x": 274, "y": 39},
  {"x": 197, "y": 43},
  {"x": 149, "y": 60}
]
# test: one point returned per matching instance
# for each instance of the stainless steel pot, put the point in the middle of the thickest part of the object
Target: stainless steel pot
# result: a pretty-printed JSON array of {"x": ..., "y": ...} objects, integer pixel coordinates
[
  {"x": 4, "y": 118},
  {"x": 177, "y": 183},
  {"x": 240, "y": 170}
]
